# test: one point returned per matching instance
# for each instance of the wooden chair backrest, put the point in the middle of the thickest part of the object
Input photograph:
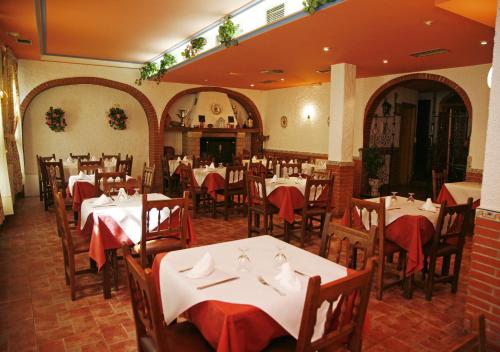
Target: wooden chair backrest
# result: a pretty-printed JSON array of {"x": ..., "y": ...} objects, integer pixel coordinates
[
  {"x": 59, "y": 172},
  {"x": 186, "y": 177},
  {"x": 89, "y": 167},
  {"x": 235, "y": 177},
  {"x": 292, "y": 169},
  {"x": 145, "y": 301},
  {"x": 452, "y": 223},
  {"x": 339, "y": 329},
  {"x": 64, "y": 230},
  {"x": 101, "y": 176},
  {"x": 111, "y": 186},
  {"x": 148, "y": 176},
  {"x": 352, "y": 238},
  {"x": 318, "y": 194},
  {"x": 475, "y": 341},
  {"x": 256, "y": 190},
  {"x": 174, "y": 226},
  {"x": 125, "y": 165},
  {"x": 80, "y": 156},
  {"x": 321, "y": 174},
  {"x": 438, "y": 180},
  {"x": 257, "y": 168},
  {"x": 111, "y": 156}
]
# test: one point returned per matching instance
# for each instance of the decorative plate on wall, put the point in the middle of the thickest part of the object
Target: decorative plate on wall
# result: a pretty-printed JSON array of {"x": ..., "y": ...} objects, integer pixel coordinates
[
  {"x": 216, "y": 109},
  {"x": 284, "y": 121}
]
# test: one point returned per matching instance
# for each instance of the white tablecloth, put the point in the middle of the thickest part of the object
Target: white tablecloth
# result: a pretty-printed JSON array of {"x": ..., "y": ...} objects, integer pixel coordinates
[
  {"x": 201, "y": 173},
  {"x": 461, "y": 191},
  {"x": 401, "y": 208},
  {"x": 263, "y": 161},
  {"x": 179, "y": 293},
  {"x": 172, "y": 164},
  {"x": 71, "y": 168},
  {"x": 126, "y": 213},
  {"x": 86, "y": 178},
  {"x": 300, "y": 184}
]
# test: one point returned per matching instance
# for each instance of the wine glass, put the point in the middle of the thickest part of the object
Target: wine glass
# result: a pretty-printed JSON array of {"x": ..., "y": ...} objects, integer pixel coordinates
[
  {"x": 280, "y": 257},
  {"x": 411, "y": 199},
  {"x": 243, "y": 260},
  {"x": 394, "y": 196},
  {"x": 221, "y": 166}
]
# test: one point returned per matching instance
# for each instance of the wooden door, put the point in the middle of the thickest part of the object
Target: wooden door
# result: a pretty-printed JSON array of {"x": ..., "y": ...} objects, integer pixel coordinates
[{"x": 407, "y": 142}]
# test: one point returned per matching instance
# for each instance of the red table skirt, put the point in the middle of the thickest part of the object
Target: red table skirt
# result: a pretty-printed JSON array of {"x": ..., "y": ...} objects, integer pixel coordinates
[
  {"x": 213, "y": 182},
  {"x": 445, "y": 195},
  {"x": 409, "y": 232},
  {"x": 231, "y": 327},
  {"x": 81, "y": 191},
  {"x": 287, "y": 199},
  {"x": 106, "y": 234}
]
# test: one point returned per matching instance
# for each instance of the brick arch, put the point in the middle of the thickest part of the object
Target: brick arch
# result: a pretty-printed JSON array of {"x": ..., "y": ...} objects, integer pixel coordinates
[
  {"x": 382, "y": 91},
  {"x": 134, "y": 92},
  {"x": 246, "y": 102}
]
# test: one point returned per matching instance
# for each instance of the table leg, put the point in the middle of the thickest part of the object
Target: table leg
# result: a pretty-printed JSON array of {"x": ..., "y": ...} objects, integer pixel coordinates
[{"x": 106, "y": 278}]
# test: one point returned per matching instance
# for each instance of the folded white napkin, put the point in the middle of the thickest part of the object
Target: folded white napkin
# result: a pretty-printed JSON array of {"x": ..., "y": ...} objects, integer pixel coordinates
[
  {"x": 113, "y": 160},
  {"x": 185, "y": 158},
  {"x": 254, "y": 158},
  {"x": 70, "y": 160},
  {"x": 274, "y": 179},
  {"x": 429, "y": 206},
  {"x": 212, "y": 165},
  {"x": 52, "y": 160},
  {"x": 103, "y": 200},
  {"x": 81, "y": 175},
  {"x": 203, "y": 267},
  {"x": 122, "y": 194},
  {"x": 93, "y": 158},
  {"x": 179, "y": 159},
  {"x": 288, "y": 278},
  {"x": 387, "y": 202},
  {"x": 111, "y": 179},
  {"x": 118, "y": 179}
]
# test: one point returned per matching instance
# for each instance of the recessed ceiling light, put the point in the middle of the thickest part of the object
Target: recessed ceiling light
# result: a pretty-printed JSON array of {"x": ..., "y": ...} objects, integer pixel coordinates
[
  {"x": 326, "y": 48},
  {"x": 206, "y": 80},
  {"x": 234, "y": 73},
  {"x": 251, "y": 84},
  {"x": 483, "y": 42},
  {"x": 428, "y": 23},
  {"x": 282, "y": 79},
  {"x": 385, "y": 61}
]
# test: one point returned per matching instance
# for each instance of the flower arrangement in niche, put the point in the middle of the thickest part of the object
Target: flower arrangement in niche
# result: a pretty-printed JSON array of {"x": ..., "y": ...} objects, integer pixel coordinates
[
  {"x": 117, "y": 118},
  {"x": 54, "y": 118}
]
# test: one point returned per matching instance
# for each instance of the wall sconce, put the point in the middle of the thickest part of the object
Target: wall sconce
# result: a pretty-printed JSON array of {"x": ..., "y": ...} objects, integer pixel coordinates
[{"x": 309, "y": 112}]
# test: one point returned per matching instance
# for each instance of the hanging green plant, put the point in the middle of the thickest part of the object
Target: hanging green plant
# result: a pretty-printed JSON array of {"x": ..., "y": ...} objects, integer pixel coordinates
[
  {"x": 194, "y": 47},
  {"x": 312, "y": 5},
  {"x": 54, "y": 118},
  {"x": 227, "y": 31},
  {"x": 166, "y": 61},
  {"x": 147, "y": 70},
  {"x": 117, "y": 118}
]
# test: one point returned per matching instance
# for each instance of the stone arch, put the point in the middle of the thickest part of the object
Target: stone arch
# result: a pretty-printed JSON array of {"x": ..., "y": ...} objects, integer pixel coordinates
[
  {"x": 154, "y": 154},
  {"x": 382, "y": 91}
]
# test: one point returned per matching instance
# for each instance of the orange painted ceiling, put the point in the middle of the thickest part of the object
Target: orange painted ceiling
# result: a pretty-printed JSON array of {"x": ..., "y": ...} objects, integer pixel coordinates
[{"x": 360, "y": 32}]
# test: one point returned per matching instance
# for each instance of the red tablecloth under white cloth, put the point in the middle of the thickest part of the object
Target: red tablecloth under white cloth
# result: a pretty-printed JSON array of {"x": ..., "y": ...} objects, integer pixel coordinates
[
  {"x": 260, "y": 312},
  {"x": 407, "y": 226},
  {"x": 111, "y": 226},
  {"x": 211, "y": 178},
  {"x": 458, "y": 193}
]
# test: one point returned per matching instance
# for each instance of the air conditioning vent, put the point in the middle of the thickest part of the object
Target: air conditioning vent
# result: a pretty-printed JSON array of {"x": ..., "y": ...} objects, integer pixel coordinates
[
  {"x": 323, "y": 70},
  {"x": 430, "y": 52},
  {"x": 275, "y": 13},
  {"x": 272, "y": 72},
  {"x": 24, "y": 41},
  {"x": 268, "y": 81}
]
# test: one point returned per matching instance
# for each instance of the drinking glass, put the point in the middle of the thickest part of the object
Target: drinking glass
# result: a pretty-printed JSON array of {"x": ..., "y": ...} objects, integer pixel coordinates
[
  {"x": 280, "y": 257},
  {"x": 411, "y": 199},
  {"x": 243, "y": 260},
  {"x": 220, "y": 165},
  {"x": 394, "y": 196}
]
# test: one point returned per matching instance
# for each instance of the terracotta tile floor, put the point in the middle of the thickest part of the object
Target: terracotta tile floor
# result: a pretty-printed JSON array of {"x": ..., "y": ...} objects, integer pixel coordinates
[{"x": 36, "y": 313}]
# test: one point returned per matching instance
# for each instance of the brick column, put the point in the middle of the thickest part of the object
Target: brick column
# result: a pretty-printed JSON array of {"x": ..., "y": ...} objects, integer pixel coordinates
[
  {"x": 240, "y": 142},
  {"x": 191, "y": 143},
  {"x": 343, "y": 185}
]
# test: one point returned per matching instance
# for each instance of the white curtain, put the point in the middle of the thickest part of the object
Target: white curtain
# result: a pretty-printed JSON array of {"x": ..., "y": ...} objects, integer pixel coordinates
[{"x": 5, "y": 193}]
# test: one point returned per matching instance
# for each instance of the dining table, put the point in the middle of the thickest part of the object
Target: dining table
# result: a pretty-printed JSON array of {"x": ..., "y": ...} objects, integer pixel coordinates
[
  {"x": 173, "y": 165},
  {"x": 116, "y": 223},
  {"x": 406, "y": 224},
  {"x": 213, "y": 178},
  {"x": 70, "y": 167},
  {"x": 231, "y": 306},
  {"x": 287, "y": 194},
  {"x": 458, "y": 192}
]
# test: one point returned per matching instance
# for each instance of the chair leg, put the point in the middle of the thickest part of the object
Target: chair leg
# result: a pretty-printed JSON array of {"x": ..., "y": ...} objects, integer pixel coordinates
[
  {"x": 380, "y": 277},
  {"x": 249, "y": 223},
  {"x": 445, "y": 268},
  {"x": 266, "y": 224},
  {"x": 195, "y": 200},
  {"x": 226, "y": 208},
  {"x": 429, "y": 283},
  {"x": 456, "y": 271},
  {"x": 303, "y": 232}
]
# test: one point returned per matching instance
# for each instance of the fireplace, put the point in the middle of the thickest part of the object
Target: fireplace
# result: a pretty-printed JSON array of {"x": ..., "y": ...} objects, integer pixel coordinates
[{"x": 220, "y": 148}]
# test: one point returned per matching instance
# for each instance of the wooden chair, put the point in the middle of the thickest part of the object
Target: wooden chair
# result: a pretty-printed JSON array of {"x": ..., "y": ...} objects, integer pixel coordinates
[
  {"x": 111, "y": 187},
  {"x": 111, "y": 156},
  {"x": 102, "y": 177},
  {"x": 257, "y": 169},
  {"x": 162, "y": 236},
  {"x": 89, "y": 167},
  {"x": 202, "y": 162},
  {"x": 60, "y": 178},
  {"x": 317, "y": 202},
  {"x": 57, "y": 186},
  {"x": 293, "y": 170},
  {"x": 356, "y": 241},
  {"x": 385, "y": 247},
  {"x": 234, "y": 186},
  {"x": 152, "y": 333},
  {"x": 342, "y": 331},
  {"x": 438, "y": 180},
  {"x": 148, "y": 176},
  {"x": 321, "y": 174},
  {"x": 80, "y": 156},
  {"x": 168, "y": 152},
  {"x": 39, "y": 159},
  {"x": 237, "y": 160},
  {"x": 72, "y": 245},
  {"x": 200, "y": 198},
  {"x": 258, "y": 205},
  {"x": 448, "y": 240},
  {"x": 125, "y": 165},
  {"x": 475, "y": 341}
]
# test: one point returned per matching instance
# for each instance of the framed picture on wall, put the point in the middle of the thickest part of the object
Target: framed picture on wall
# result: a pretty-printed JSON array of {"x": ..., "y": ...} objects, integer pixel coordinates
[
  {"x": 230, "y": 119},
  {"x": 201, "y": 118}
]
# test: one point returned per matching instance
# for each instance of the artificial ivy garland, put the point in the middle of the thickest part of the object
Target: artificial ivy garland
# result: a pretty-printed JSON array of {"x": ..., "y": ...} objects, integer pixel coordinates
[
  {"x": 227, "y": 31},
  {"x": 151, "y": 69},
  {"x": 54, "y": 118},
  {"x": 117, "y": 118}
]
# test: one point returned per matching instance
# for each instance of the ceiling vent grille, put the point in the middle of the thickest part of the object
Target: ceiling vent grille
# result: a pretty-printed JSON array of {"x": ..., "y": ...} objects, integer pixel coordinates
[
  {"x": 323, "y": 70},
  {"x": 275, "y": 13},
  {"x": 272, "y": 72},
  {"x": 268, "y": 81},
  {"x": 24, "y": 41},
  {"x": 430, "y": 52}
]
